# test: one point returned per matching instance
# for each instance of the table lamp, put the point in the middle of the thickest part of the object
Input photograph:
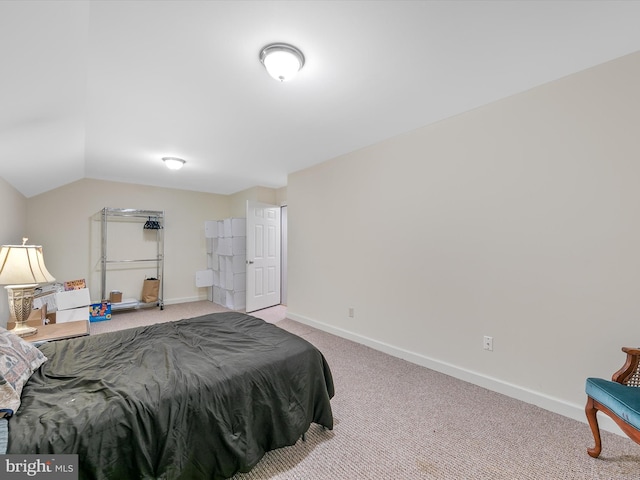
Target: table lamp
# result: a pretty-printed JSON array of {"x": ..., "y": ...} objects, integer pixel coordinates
[{"x": 22, "y": 270}]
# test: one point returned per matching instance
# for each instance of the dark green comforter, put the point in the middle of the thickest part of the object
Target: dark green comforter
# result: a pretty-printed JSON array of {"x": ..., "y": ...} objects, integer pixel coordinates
[{"x": 193, "y": 399}]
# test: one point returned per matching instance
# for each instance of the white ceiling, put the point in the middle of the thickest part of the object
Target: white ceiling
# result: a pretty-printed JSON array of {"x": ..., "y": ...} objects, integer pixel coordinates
[{"x": 104, "y": 89}]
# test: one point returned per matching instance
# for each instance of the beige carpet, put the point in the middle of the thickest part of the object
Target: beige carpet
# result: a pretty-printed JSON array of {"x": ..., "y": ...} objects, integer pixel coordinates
[
  {"x": 137, "y": 318},
  {"x": 397, "y": 420}
]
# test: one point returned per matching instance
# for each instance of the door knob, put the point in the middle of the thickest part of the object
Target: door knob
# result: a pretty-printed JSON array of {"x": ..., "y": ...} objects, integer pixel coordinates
[{"x": 250, "y": 262}]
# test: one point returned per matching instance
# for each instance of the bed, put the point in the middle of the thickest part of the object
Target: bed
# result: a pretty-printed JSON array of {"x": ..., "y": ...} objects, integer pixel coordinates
[{"x": 204, "y": 397}]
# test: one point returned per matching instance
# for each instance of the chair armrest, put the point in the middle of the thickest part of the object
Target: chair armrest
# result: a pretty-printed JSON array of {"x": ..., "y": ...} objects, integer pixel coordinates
[{"x": 629, "y": 374}]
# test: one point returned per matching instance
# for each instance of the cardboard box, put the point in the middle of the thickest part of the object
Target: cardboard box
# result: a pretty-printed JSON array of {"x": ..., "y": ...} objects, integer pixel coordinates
[
  {"x": 38, "y": 316},
  {"x": 72, "y": 299},
  {"x": 51, "y": 318},
  {"x": 72, "y": 315},
  {"x": 99, "y": 312},
  {"x": 115, "y": 296}
]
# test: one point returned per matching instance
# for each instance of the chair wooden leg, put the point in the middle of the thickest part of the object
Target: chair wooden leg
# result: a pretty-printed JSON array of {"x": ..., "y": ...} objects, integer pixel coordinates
[{"x": 591, "y": 410}]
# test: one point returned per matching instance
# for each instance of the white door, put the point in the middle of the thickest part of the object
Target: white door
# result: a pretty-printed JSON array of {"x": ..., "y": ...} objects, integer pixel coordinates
[
  {"x": 283, "y": 254},
  {"x": 263, "y": 256}
]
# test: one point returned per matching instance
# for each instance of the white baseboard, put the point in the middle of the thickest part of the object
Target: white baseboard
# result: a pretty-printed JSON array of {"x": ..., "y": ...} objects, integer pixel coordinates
[
  {"x": 173, "y": 301},
  {"x": 570, "y": 410}
]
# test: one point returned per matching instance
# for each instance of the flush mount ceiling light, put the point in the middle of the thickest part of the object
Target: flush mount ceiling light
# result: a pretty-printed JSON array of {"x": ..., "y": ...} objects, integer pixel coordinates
[
  {"x": 281, "y": 60},
  {"x": 173, "y": 163}
]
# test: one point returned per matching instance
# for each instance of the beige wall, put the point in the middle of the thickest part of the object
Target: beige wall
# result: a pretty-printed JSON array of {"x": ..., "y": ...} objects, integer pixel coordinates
[
  {"x": 238, "y": 201},
  {"x": 64, "y": 221},
  {"x": 281, "y": 196},
  {"x": 518, "y": 220},
  {"x": 12, "y": 228}
]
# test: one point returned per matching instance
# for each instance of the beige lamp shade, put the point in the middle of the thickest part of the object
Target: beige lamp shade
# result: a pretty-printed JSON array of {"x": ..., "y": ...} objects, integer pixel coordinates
[{"x": 23, "y": 264}]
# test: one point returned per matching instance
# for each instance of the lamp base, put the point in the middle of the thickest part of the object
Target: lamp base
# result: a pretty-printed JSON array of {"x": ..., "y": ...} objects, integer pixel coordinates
[
  {"x": 24, "y": 330},
  {"x": 20, "y": 300}
]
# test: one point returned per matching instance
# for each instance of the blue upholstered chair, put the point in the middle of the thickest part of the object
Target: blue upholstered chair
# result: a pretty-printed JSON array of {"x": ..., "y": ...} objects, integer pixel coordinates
[{"x": 618, "y": 398}]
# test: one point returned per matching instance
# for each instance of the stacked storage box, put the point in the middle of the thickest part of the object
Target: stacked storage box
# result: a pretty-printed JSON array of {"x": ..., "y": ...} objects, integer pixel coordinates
[
  {"x": 72, "y": 305},
  {"x": 227, "y": 254},
  {"x": 64, "y": 305}
]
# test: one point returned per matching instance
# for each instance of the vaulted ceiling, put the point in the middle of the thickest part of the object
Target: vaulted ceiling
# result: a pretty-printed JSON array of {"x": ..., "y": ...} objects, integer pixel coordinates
[{"x": 104, "y": 89}]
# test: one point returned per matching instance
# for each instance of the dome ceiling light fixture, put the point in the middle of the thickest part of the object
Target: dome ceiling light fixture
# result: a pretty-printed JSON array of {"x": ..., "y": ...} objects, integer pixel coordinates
[
  {"x": 282, "y": 60},
  {"x": 173, "y": 163}
]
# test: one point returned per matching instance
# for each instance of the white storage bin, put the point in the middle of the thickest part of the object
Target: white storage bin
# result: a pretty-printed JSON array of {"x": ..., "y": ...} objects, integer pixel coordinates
[
  {"x": 73, "y": 299},
  {"x": 219, "y": 295},
  {"x": 235, "y": 300},
  {"x": 235, "y": 281},
  {"x": 227, "y": 246},
  {"x": 213, "y": 262},
  {"x": 236, "y": 263},
  {"x": 227, "y": 260},
  {"x": 238, "y": 227},
  {"x": 204, "y": 278},
  {"x": 72, "y": 314},
  {"x": 210, "y": 229},
  {"x": 238, "y": 245}
]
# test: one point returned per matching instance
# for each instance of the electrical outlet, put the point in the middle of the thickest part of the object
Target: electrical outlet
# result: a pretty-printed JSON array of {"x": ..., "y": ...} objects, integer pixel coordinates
[
  {"x": 352, "y": 312},
  {"x": 487, "y": 343}
]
